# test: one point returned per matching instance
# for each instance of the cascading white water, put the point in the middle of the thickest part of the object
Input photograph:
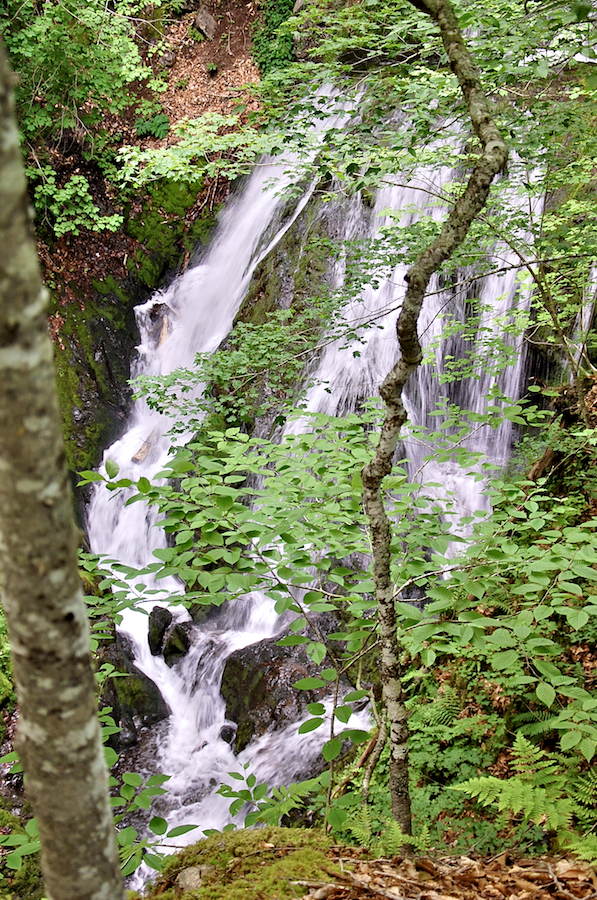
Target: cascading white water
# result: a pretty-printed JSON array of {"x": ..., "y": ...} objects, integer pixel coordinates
[{"x": 196, "y": 313}]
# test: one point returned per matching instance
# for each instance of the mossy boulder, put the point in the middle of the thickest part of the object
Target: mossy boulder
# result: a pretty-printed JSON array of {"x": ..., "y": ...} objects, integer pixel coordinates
[
  {"x": 159, "y": 622},
  {"x": 178, "y": 643},
  {"x": 135, "y": 700},
  {"x": 248, "y": 864}
]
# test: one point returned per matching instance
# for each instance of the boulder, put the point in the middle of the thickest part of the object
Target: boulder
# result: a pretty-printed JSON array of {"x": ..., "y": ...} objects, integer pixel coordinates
[
  {"x": 178, "y": 643},
  {"x": 135, "y": 699},
  {"x": 257, "y": 687},
  {"x": 205, "y": 23},
  {"x": 190, "y": 879},
  {"x": 159, "y": 622}
]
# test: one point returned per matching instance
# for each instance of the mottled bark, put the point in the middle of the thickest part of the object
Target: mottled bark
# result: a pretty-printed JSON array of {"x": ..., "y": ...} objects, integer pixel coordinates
[
  {"x": 59, "y": 735},
  {"x": 492, "y": 160}
]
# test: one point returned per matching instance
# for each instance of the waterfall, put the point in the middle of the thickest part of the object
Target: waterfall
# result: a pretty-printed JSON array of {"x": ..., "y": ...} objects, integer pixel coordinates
[{"x": 194, "y": 315}]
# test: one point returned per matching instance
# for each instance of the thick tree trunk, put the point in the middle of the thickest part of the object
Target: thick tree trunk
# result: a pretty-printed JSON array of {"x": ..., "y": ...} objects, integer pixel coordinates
[
  {"x": 59, "y": 735},
  {"x": 492, "y": 160}
]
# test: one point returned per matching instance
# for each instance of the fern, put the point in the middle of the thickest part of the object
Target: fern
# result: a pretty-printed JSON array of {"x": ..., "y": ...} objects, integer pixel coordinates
[
  {"x": 443, "y": 710},
  {"x": 390, "y": 841},
  {"x": 539, "y": 790}
]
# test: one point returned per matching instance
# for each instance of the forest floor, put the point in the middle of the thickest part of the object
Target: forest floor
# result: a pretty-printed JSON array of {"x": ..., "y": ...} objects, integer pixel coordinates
[{"x": 281, "y": 863}]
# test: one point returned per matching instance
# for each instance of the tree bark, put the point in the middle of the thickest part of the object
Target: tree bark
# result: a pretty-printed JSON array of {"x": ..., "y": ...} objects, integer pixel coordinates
[
  {"x": 59, "y": 735},
  {"x": 492, "y": 160}
]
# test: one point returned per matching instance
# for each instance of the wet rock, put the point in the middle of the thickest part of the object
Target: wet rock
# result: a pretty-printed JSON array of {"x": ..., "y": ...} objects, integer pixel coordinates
[
  {"x": 177, "y": 643},
  {"x": 227, "y": 733},
  {"x": 257, "y": 687},
  {"x": 205, "y": 23},
  {"x": 135, "y": 700},
  {"x": 159, "y": 622}
]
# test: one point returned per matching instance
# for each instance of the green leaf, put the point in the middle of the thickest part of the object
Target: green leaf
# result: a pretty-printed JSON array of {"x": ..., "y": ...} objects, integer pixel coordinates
[
  {"x": 355, "y": 695},
  {"x": 577, "y": 618},
  {"x": 570, "y": 739},
  {"x": 32, "y": 828},
  {"x": 224, "y": 502},
  {"x": 126, "y": 836},
  {"x": 545, "y": 693},
  {"x": 158, "y": 825},
  {"x": 112, "y": 468},
  {"x": 331, "y": 749},
  {"x": 337, "y": 817},
  {"x": 154, "y": 861},
  {"x": 504, "y": 659},
  {"x": 180, "y": 829},
  {"x": 343, "y": 713},
  {"x": 308, "y": 684},
  {"x": 310, "y": 725},
  {"x": 132, "y": 778}
]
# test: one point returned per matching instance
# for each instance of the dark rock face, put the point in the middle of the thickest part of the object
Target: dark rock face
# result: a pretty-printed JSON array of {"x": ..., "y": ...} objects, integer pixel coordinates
[
  {"x": 159, "y": 621},
  {"x": 177, "y": 643},
  {"x": 227, "y": 733},
  {"x": 135, "y": 700},
  {"x": 257, "y": 687}
]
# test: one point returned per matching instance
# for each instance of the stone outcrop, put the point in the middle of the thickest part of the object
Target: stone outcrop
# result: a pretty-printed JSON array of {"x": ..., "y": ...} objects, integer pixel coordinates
[
  {"x": 159, "y": 622},
  {"x": 205, "y": 23},
  {"x": 177, "y": 643},
  {"x": 135, "y": 700},
  {"x": 257, "y": 687}
]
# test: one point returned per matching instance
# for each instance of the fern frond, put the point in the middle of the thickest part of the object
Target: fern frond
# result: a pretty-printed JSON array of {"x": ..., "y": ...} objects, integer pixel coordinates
[
  {"x": 442, "y": 710},
  {"x": 584, "y": 847},
  {"x": 360, "y": 827}
]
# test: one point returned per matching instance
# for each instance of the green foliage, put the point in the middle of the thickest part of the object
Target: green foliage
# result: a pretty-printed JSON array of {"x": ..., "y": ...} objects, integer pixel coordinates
[
  {"x": 390, "y": 841},
  {"x": 68, "y": 207},
  {"x": 542, "y": 792},
  {"x": 272, "y": 50},
  {"x": 158, "y": 126},
  {"x": 207, "y": 145},
  {"x": 75, "y": 63},
  {"x": 256, "y": 373}
]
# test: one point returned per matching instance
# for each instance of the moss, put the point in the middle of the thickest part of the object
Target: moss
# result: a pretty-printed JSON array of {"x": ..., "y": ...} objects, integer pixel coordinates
[
  {"x": 97, "y": 336},
  {"x": 161, "y": 229},
  {"x": 130, "y": 691},
  {"x": 26, "y": 882},
  {"x": 251, "y": 865}
]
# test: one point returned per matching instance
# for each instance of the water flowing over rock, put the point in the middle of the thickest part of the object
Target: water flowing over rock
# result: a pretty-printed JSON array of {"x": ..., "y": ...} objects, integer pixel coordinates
[
  {"x": 135, "y": 699},
  {"x": 201, "y": 306}
]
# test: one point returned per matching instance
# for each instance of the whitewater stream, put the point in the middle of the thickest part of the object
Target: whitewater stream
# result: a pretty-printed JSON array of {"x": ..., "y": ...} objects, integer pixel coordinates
[{"x": 195, "y": 314}]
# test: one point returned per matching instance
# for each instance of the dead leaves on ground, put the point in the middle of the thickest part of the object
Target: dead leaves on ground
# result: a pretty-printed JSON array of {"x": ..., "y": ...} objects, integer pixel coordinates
[{"x": 458, "y": 878}]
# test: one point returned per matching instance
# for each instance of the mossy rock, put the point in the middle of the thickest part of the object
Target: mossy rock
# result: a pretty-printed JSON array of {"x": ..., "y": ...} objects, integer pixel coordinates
[
  {"x": 161, "y": 230},
  {"x": 257, "y": 686},
  {"x": 249, "y": 864}
]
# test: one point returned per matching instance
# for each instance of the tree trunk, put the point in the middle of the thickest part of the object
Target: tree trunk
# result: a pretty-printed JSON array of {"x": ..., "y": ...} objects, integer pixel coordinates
[
  {"x": 492, "y": 160},
  {"x": 58, "y": 736}
]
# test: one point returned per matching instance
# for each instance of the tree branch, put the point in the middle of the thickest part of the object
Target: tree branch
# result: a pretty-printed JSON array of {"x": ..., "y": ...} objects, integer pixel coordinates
[{"x": 492, "y": 161}]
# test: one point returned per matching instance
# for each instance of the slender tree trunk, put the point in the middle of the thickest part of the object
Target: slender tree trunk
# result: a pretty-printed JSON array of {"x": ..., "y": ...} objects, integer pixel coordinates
[
  {"x": 58, "y": 736},
  {"x": 492, "y": 160}
]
